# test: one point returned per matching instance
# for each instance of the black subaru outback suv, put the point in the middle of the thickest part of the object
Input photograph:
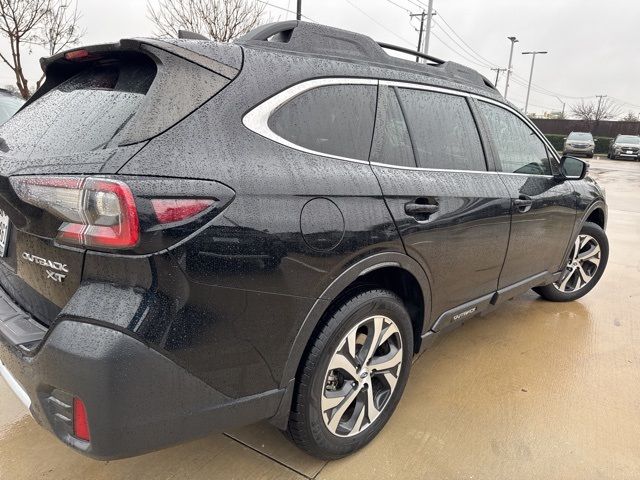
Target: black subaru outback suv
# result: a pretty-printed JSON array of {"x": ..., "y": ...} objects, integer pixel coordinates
[{"x": 196, "y": 235}]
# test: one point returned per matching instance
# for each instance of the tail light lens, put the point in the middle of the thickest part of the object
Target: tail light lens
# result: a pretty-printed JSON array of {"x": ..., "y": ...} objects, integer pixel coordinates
[
  {"x": 171, "y": 210},
  {"x": 97, "y": 212},
  {"x": 80, "y": 420}
]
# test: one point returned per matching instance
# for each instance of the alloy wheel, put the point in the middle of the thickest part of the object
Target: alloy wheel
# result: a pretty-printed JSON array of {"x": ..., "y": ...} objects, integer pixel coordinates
[
  {"x": 361, "y": 376},
  {"x": 583, "y": 264}
]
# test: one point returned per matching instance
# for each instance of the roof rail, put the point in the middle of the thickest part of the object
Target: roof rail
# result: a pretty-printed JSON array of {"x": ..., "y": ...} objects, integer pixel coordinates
[
  {"x": 314, "y": 38},
  {"x": 416, "y": 53}
]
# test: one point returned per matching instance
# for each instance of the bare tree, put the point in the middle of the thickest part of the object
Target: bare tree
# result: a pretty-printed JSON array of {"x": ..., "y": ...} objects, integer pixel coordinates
[
  {"x": 592, "y": 113},
  {"x": 59, "y": 28},
  {"x": 630, "y": 117},
  {"x": 48, "y": 23},
  {"x": 220, "y": 20},
  {"x": 19, "y": 20}
]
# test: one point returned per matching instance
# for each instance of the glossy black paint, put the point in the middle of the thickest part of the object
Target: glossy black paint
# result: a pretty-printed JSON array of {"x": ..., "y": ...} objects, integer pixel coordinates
[{"x": 233, "y": 298}]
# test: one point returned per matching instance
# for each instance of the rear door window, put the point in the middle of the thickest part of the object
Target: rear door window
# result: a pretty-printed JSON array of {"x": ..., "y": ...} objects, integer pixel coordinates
[
  {"x": 520, "y": 150},
  {"x": 391, "y": 143},
  {"x": 333, "y": 119},
  {"x": 443, "y": 130},
  {"x": 81, "y": 114}
]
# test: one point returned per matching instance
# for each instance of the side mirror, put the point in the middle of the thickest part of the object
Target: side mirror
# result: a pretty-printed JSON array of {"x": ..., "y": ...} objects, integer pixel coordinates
[
  {"x": 564, "y": 138},
  {"x": 572, "y": 168},
  {"x": 595, "y": 140}
]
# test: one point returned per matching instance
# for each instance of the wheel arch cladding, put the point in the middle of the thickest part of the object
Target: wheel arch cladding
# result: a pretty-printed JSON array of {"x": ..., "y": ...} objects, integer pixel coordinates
[
  {"x": 383, "y": 268},
  {"x": 396, "y": 272},
  {"x": 598, "y": 217}
]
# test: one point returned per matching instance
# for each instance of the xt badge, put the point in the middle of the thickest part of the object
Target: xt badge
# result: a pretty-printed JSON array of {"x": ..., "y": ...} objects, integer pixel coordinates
[{"x": 53, "y": 269}]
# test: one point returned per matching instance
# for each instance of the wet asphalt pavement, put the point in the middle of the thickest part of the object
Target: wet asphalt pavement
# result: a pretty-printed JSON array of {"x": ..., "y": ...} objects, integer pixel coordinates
[{"x": 531, "y": 390}]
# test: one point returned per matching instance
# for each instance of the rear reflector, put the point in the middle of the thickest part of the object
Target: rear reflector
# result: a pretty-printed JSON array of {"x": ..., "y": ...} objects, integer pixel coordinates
[
  {"x": 170, "y": 210},
  {"x": 80, "y": 420},
  {"x": 97, "y": 212}
]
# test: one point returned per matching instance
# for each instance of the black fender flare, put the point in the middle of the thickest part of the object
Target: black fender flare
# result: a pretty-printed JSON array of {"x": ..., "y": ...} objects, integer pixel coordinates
[
  {"x": 582, "y": 219},
  {"x": 598, "y": 204},
  {"x": 335, "y": 288}
]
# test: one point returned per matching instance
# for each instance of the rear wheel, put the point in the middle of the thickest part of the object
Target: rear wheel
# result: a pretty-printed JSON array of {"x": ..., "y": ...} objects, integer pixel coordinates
[
  {"x": 353, "y": 375},
  {"x": 586, "y": 264}
]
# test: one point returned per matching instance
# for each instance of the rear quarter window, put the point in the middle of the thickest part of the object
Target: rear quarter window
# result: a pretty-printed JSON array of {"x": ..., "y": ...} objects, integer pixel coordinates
[{"x": 334, "y": 120}]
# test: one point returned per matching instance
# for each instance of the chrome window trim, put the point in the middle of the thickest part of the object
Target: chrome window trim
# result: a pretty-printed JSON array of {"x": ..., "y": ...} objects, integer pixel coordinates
[{"x": 257, "y": 119}]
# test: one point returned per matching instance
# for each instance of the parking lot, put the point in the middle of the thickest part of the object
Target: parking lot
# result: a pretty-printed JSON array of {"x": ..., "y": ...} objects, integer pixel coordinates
[{"x": 532, "y": 390}]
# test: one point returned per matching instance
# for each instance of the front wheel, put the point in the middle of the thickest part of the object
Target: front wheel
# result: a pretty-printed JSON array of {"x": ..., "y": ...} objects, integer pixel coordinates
[
  {"x": 353, "y": 375},
  {"x": 586, "y": 264}
]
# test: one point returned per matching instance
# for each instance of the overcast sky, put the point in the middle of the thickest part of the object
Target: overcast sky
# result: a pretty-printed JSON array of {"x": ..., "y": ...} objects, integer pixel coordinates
[{"x": 593, "y": 45}]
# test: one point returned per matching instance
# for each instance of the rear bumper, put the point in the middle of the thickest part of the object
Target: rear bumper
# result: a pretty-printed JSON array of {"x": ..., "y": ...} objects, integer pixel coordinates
[{"x": 137, "y": 399}]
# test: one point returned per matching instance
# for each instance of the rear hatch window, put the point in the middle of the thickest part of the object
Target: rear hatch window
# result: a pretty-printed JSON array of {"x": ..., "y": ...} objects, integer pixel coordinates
[{"x": 84, "y": 113}]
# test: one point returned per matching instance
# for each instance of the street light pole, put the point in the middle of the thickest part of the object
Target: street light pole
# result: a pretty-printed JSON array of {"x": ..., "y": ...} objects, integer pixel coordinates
[
  {"x": 514, "y": 40},
  {"x": 299, "y": 10},
  {"x": 533, "y": 61}
]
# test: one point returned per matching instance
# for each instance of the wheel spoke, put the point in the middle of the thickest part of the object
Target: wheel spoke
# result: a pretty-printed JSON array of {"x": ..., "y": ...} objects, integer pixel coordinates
[
  {"x": 576, "y": 248},
  {"x": 331, "y": 399},
  {"x": 585, "y": 276},
  {"x": 341, "y": 362},
  {"x": 388, "y": 361},
  {"x": 372, "y": 410},
  {"x": 373, "y": 338},
  {"x": 592, "y": 252},
  {"x": 565, "y": 280},
  {"x": 391, "y": 379},
  {"x": 584, "y": 240},
  {"x": 358, "y": 425},
  {"x": 578, "y": 283},
  {"x": 342, "y": 407}
]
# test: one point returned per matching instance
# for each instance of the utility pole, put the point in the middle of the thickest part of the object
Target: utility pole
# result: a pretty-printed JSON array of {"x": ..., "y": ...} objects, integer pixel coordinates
[
  {"x": 598, "y": 114},
  {"x": 421, "y": 15},
  {"x": 497, "y": 70},
  {"x": 564, "y": 104},
  {"x": 599, "y": 97},
  {"x": 533, "y": 61},
  {"x": 428, "y": 34},
  {"x": 299, "y": 10},
  {"x": 514, "y": 40}
]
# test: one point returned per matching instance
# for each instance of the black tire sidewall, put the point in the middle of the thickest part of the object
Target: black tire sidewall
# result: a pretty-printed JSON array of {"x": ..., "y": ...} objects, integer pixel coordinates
[{"x": 374, "y": 302}]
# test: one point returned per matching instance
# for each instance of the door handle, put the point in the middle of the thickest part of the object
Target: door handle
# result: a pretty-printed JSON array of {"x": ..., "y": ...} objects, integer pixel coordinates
[
  {"x": 523, "y": 203},
  {"x": 419, "y": 210}
]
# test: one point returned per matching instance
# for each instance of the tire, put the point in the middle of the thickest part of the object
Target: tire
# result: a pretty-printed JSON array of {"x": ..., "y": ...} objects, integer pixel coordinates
[
  {"x": 592, "y": 245},
  {"x": 319, "y": 387},
  {"x": 590, "y": 155},
  {"x": 609, "y": 155}
]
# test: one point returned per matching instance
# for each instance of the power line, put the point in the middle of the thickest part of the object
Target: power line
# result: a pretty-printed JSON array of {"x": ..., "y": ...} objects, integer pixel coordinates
[
  {"x": 378, "y": 23},
  {"x": 489, "y": 62},
  {"x": 284, "y": 10},
  {"x": 399, "y": 6}
]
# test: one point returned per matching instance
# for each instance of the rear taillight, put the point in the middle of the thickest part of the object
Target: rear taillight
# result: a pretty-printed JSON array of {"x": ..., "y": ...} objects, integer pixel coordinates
[
  {"x": 170, "y": 210},
  {"x": 97, "y": 212},
  {"x": 80, "y": 420}
]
